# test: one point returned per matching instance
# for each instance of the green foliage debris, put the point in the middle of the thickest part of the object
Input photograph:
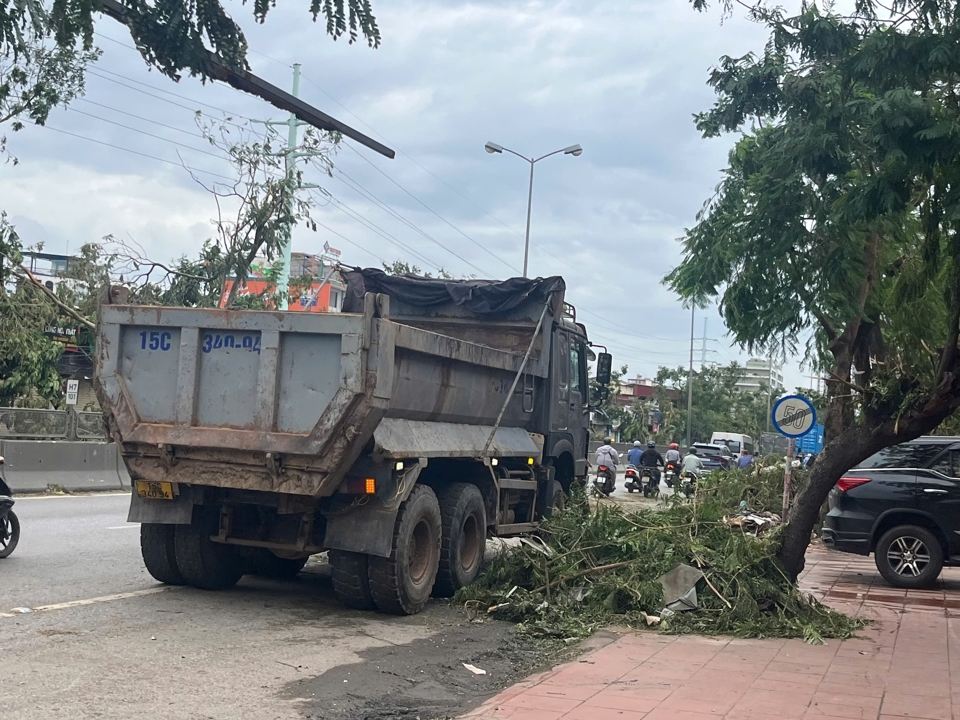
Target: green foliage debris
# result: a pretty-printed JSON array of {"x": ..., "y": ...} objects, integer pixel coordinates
[{"x": 589, "y": 570}]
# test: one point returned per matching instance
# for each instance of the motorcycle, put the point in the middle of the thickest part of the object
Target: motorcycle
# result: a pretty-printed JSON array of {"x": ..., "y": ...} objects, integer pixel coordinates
[
  {"x": 606, "y": 480},
  {"x": 688, "y": 483},
  {"x": 670, "y": 474},
  {"x": 632, "y": 479},
  {"x": 9, "y": 524},
  {"x": 650, "y": 481}
]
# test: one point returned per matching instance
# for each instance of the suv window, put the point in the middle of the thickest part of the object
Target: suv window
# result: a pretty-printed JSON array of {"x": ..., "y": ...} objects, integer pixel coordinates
[
  {"x": 707, "y": 450},
  {"x": 948, "y": 464},
  {"x": 907, "y": 455}
]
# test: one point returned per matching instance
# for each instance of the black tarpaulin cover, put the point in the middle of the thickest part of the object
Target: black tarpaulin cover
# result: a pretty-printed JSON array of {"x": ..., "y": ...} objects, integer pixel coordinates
[{"x": 484, "y": 297}]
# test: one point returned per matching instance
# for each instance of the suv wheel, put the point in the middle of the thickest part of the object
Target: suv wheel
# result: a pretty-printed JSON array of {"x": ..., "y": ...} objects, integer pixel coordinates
[{"x": 909, "y": 556}]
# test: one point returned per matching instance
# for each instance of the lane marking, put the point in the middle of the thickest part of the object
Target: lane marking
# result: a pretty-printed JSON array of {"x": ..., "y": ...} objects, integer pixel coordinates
[
  {"x": 124, "y": 527},
  {"x": 94, "y": 601},
  {"x": 25, "y": 498}
]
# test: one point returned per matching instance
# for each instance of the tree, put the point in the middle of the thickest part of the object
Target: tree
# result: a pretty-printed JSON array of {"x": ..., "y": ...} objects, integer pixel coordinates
[
  {"x": 717, "y": 404},
  {"x": 172, "y": 36},
  {"x": 838, "y": 215},
  {"x": 28, "y": 358},
  {"x": 401, "y": 267}
]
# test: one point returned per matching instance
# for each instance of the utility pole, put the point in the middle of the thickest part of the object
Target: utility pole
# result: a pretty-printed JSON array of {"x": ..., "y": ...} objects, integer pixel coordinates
[
  {"x": 290, "y": 156},
  {"x": 289, "y": 165},
  {"x": 703, "y": 350},
  {"x": 693, "y": 309},
  {"x": 769, "y": 385}
]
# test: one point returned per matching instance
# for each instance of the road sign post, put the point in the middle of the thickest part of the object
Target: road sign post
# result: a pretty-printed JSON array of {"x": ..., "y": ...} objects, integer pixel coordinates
[{"x": 793, "y": 416}]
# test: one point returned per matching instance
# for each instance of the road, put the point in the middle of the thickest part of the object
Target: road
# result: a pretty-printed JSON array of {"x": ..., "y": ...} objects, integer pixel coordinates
[{"x": 105, "y": 640}]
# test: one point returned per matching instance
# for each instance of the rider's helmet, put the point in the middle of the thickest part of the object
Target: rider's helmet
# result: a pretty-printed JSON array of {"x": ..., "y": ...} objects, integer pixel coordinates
[
  {"x": 693, "y": 451},
  {"x": 651, "y": 444},
  {"x": 636, "y": 443},
  {"x": 607, "y": 441},
  {"x": 674, "y": 446}
]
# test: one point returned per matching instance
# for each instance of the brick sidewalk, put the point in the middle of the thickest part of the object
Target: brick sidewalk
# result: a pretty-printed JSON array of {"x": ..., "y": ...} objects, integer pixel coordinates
[{"x": 902, "y": 666}]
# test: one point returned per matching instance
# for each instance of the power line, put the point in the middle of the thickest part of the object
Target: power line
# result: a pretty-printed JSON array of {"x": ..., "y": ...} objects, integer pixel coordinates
[
  {"x": 430, "y": 209},
  {"x": 148, "y": 134},
  {"x": 136, "y": 152},
  {"x": 356, "y": 245},
  {"x": 349, "y": 181},
  {"x": 350, "y": 212},
  {"x": 411, "y": 159},
  {"x": 96, "y": 73},
  {"x": 139, "y": 117}
]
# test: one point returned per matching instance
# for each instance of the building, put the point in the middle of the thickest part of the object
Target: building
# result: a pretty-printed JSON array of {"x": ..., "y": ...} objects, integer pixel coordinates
[
  {"x": 76, "y": 362},
  {"x": 325, "y": 294},
  {"x": 759, "y": 373}
]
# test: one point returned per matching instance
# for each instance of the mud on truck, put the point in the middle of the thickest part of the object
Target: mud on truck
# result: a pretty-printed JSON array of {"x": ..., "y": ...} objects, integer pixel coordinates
[{"x": 396, "y": 435}]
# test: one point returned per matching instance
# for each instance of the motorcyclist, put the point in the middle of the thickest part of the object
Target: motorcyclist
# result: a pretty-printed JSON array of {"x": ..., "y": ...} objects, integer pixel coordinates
[
  {"x": 692, "y": 462},
  {"x": 608, "y": 456},
  {"x": 652, "y": 459},
  {"x": 633, "y": 457},
  {"x": 673, "y": 455}
]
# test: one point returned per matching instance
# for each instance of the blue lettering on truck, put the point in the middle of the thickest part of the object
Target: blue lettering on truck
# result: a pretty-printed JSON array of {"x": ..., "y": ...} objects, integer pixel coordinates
[
  {"x": 155, "y": 341},
  {"x": 217, "y": 341}
]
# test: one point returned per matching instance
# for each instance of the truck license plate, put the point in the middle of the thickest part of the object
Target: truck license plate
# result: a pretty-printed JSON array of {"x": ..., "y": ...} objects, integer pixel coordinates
[{"x": 155, "y": 490}]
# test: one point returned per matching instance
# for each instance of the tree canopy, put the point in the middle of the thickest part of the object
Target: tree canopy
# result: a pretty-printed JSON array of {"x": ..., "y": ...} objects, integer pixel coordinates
[
  {"x": 837, "y": 218},
  {"x": 172, "y": 35}
]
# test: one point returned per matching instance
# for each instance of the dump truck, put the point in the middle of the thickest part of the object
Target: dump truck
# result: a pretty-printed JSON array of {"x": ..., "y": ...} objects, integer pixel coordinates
[{"x": 396, "y": 436}]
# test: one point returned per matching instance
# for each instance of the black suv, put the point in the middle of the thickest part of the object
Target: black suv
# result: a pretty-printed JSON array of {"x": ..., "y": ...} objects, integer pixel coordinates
[{"x": 903, "y": 505}]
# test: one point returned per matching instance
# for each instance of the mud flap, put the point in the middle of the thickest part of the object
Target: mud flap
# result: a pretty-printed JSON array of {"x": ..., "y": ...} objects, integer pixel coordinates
[
  {"x": 178, "y": 511},
  {"x": 366, "y": 529}
]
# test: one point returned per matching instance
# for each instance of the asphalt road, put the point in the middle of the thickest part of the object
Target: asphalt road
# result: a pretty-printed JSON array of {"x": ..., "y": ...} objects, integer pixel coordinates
[{"x": 104, "y": 640}]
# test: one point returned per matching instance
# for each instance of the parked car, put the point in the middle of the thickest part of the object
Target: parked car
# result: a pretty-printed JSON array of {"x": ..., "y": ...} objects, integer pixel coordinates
[
  {"x": 715, "y": 457},
  {"x": 902, "y": 505}
]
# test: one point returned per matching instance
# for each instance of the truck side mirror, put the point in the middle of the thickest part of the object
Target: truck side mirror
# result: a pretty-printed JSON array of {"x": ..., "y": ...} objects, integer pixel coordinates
[{"x": 604, "y": 367}]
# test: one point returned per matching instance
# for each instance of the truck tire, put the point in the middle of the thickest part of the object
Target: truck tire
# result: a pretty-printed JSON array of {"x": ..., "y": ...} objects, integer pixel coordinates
[
  {"x": 159, "y": 554},
  {"x": 204, "y": 563},
  {"x": 463, "y": 540},
  {"x": 351, "y": 582},
  {"x": 401, "y": 584},
  {"x": 909, "y": 556},
  {"x": 265, "y": 564}
]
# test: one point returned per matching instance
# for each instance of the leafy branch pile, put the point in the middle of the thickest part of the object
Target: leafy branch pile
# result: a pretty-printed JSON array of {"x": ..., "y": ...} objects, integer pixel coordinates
[{"x": 598, "y": 569}]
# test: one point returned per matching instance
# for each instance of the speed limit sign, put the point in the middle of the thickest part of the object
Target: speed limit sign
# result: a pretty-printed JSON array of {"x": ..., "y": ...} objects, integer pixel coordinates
[{"x": 794, "y": 416}]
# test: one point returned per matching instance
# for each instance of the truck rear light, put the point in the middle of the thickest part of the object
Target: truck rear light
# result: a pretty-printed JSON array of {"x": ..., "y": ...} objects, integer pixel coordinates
[
  {"x": 359, "y": 486},
  {"x": 849, "y": 483}
]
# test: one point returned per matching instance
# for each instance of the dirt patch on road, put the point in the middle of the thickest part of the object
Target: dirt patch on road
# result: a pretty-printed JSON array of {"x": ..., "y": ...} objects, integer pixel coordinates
[{"x": 426, "y": 679}]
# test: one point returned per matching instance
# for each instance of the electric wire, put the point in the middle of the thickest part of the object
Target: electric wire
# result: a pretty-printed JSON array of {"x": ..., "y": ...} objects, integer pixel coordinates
[{"x": 136, "y": 152}]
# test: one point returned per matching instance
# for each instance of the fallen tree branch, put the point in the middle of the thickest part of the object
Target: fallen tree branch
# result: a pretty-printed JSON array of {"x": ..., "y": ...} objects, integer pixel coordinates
[{"x": 20, "y": 271}]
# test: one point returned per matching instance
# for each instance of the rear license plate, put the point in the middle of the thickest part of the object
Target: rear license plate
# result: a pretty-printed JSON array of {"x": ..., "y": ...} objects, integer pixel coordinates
[{"x": 155, "y": 490}]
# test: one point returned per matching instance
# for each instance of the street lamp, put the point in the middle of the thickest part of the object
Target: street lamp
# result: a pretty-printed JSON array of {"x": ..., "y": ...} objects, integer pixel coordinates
[{"x": 492, "y": 147}]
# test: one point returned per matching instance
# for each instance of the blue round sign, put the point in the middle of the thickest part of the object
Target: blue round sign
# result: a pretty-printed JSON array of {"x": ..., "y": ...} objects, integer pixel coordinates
[{"x": 794, "y": 416}]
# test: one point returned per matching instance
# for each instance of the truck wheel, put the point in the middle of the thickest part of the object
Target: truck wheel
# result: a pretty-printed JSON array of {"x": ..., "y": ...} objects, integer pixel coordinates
[
  {"x": 159, "y": 555},
  {"x": 401, "y": 584},
  {"x": 204, "y": 563},
  {"x": 265, "y": 564},
  {"x": 909, "y": 556},
  {"x": 464, "y": 538},
  {"x": 351, "y": 583}
]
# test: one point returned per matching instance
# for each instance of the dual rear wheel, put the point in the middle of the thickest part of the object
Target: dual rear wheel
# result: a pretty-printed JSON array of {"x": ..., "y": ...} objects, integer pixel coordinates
[{"x": 437, "y": 548}]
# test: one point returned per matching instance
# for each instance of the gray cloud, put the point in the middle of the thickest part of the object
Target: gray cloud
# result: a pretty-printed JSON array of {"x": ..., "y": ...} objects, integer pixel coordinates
[{"x": 622, "y": 79}]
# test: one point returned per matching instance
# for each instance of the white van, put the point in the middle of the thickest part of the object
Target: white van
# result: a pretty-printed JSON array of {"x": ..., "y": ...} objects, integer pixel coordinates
[{"x": 738, "y": 443}]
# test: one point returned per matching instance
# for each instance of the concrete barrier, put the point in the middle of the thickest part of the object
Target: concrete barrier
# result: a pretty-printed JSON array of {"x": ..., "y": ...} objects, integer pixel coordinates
[{"x": 33, "y": 465}]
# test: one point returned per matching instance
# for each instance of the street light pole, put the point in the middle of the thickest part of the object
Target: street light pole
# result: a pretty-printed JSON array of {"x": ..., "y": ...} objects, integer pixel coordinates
[
  {"x": 693, "y": 310},
  {"x": 526, "y": 241},
  {"x": 492, "y": 147}
]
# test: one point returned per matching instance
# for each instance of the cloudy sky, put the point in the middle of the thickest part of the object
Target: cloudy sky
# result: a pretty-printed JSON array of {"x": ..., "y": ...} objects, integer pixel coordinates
[{"x": 621, "y": 79}]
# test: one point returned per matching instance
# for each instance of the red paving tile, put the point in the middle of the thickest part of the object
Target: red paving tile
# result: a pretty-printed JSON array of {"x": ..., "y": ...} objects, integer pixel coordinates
[{"x": 898, "y": 668}]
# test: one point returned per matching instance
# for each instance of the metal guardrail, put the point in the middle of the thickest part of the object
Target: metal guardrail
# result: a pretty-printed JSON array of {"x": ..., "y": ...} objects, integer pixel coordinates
[{"x": 30, "y": 424}]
